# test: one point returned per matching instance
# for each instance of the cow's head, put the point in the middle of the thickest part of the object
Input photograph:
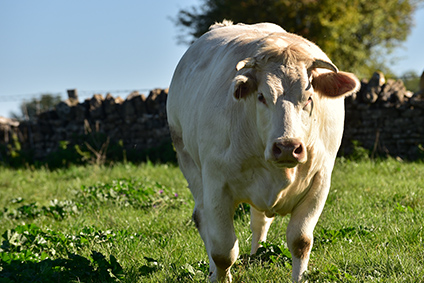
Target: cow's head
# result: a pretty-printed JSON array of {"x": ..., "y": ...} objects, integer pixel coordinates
[{"x": 288, "y": 88}]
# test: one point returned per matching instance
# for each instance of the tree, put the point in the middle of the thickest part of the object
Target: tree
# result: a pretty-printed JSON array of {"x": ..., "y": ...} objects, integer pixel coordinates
[
  {"x": 355, "y": 34},
  {"x": 30, "y": 109}
]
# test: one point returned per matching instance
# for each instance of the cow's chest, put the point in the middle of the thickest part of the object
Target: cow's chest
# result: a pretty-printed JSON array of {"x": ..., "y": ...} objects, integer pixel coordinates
[{"x": 275, "y": 190}]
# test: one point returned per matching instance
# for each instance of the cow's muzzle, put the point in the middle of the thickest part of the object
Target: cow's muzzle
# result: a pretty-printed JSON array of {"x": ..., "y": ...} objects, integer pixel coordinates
[{"x": 288, "y": 152}]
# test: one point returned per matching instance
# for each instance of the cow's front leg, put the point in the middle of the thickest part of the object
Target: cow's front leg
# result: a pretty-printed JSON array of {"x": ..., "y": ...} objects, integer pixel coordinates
[
  {"x": 215, "y": 224},
  {"x": 259, "y": 224},
  {"x": 300, "y": 245},
  {"x": 302, "y": 224}
]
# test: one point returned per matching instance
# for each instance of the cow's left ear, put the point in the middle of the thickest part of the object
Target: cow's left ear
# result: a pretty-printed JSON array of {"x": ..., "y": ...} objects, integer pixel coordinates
[
  {"x": 335, "y": 84},
  {"x": 243, "y": 85}
]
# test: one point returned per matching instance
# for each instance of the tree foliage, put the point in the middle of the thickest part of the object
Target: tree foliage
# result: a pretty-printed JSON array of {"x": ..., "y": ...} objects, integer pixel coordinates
[
  {"x": 30, "y": 109},
  {"x": 353, "y": 33}
]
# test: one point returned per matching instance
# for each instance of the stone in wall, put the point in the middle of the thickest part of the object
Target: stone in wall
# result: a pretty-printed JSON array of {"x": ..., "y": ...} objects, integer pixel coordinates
[
  {"x": 111, "y": 109},
  {"x": 156, "y": 101},
  {"x": 95, "y": 107},
  {"x": 139, "y": 102},
  {"x": 373, "y": 87},
  {"x": 393, "y": 93},
  {"x": 7, "y": 130},
  {"x": 81, "y": 111},
  {"x": 65, "y": 110},
  {"x": 128, "y": 111}
]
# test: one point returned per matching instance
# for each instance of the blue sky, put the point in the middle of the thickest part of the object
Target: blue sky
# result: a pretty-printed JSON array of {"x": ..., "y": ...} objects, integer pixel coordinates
[{"x": 106, "y": 46}]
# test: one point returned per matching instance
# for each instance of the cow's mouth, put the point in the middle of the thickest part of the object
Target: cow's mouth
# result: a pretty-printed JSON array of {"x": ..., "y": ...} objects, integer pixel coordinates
[{"x": 285, "y": 163}]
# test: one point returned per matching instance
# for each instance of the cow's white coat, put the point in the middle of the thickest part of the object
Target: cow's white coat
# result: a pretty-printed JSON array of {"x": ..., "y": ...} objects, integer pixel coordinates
[{"x": 237, "y": 92}]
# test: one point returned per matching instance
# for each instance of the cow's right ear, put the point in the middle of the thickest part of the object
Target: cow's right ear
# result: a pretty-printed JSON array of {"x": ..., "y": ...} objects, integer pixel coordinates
[
  {"x": 243, "y": 85},
  {"x": 336, "y": 84}
]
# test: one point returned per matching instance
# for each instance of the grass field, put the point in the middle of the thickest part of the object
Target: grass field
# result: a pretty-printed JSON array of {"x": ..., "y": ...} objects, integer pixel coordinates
[{"x": 128, "y": 223}]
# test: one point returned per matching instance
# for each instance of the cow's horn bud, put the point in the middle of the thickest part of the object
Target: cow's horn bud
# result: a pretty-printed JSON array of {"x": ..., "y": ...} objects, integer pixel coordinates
[
  {"x": 246, "y": 63},
  {"x": 318, "y": 63}
]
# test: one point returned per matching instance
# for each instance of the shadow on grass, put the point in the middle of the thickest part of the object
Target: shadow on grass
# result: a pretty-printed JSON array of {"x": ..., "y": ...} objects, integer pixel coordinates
[{"x": 74, "y": 268}]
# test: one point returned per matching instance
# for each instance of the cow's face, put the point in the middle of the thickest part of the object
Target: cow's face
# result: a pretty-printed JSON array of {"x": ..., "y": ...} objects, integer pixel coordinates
[{"x": 285, "y": 99}]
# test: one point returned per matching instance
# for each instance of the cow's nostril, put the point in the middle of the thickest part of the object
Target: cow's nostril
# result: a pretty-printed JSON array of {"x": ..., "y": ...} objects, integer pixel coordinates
[
  {"x": 298, "y": 150},
  {"x": 276, "y": 150}
]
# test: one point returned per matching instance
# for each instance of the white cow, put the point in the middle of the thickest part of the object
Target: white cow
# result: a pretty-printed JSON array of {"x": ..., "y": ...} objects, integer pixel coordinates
[{"x": 256, "y": 115}]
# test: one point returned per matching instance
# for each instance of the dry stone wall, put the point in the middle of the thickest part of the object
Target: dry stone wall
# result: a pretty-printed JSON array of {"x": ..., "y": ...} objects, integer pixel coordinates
[
  {"x": 383, "y": 117},
  {"x": 386, "y": 119},
  {"x": 139, "y": 122}
]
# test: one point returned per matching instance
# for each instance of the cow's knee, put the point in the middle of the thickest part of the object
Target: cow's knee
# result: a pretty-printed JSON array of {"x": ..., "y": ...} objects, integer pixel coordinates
[
  {"x": 223, "y": 256},
  {"x": 301, "y": 246},
  {"x": 225, "y": 252},
  {"x": 223, "y": 262}
]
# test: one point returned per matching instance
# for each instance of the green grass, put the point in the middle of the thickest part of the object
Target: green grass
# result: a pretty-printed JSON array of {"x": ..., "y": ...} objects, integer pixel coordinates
[{"x": 128, "y": 223}]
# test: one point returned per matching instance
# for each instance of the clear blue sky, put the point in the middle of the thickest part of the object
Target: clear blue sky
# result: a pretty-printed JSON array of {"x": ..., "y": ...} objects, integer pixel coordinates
[{"x": 99, "y": 46}]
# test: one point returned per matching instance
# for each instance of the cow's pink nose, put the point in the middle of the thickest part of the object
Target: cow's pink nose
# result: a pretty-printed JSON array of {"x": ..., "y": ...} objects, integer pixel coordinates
[{"x": 290, "y": 152}]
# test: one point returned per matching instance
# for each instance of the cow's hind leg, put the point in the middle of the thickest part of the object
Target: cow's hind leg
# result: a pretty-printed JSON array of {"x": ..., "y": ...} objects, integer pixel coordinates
[
  {"x": 187, "y": 165},
  {"x": 259, "y": 224},
  {"x": 194, "y": 178}
]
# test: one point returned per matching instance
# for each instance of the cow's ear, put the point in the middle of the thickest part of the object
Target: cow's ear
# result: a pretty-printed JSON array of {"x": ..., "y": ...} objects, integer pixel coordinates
[
  {"x": 335, "y": 84},
  {"x": 243, "y": 85}
]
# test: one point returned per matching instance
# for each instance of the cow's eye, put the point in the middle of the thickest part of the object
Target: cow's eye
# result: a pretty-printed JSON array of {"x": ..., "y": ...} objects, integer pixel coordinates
[
  {"x": 308, "y": 103},
  {"x": 261, "y": 98},
  {"x": 309, "y": 100}
]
